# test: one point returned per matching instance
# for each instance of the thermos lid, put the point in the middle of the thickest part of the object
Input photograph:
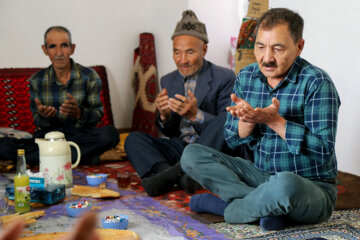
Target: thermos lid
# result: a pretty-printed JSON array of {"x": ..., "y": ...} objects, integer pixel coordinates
[{"x": 53, "y": 136}]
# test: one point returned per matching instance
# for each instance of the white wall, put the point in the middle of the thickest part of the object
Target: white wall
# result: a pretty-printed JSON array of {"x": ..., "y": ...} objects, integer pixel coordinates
[
  {"x": 106, "y": 32},
  {"x": 222, "y": 22},
  {"x": 331, "y": 36}
]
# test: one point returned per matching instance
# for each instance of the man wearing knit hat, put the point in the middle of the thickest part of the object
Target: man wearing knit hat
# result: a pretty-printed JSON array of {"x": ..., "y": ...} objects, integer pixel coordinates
[{"x": 191, "y": 108}]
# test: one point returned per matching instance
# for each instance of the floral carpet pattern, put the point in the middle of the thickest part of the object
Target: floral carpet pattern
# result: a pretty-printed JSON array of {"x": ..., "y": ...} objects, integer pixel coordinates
[
  {"x": 168, "y": 216},
  {"x": 342, "y": 225},
  {"x": 147, "y": 216},
  {"x": 177, "y": 199}
]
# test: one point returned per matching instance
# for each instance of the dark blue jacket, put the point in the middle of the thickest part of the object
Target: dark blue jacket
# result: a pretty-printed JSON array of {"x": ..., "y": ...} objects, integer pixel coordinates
[{"x": 213, "y": 88}]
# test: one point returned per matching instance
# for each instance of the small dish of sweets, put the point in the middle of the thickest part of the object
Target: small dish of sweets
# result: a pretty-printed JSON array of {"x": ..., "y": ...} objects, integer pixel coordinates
[
  {"x": 96, "y": 179},
  {"x": 115, "y": 222},
  {"x": 76, "y": 209}
]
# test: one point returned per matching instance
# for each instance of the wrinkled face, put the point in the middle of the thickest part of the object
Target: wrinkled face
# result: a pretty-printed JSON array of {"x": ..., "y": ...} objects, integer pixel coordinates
[
  {"x": 58, "y": 48},
  {"x": 275, "y": 51},
  {"x": 188, "y": 54}
]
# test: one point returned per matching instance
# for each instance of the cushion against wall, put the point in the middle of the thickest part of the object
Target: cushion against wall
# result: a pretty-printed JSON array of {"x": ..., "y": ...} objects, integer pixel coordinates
[
  {"x": 105, "y": 97},
  {"x": 15, "y": 98},
  {"x": 145, "y": 84}
]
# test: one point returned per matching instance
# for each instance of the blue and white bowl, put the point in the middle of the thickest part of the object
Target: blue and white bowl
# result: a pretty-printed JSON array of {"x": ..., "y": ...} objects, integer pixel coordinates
[
  {"x": 77, "y": 212},
  {"x": 96, "y": 179},
  {"x": 115, "y": 222}
]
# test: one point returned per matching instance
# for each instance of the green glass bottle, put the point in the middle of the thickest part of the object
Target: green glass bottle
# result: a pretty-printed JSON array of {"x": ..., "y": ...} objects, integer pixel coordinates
[{"x": 22, "y": 185}]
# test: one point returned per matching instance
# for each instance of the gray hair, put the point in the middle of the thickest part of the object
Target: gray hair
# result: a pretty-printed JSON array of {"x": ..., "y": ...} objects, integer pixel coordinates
[{"x": 57, "y": 28}]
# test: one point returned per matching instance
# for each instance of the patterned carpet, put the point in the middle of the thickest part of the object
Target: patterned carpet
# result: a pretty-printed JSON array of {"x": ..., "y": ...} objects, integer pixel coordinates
[
  {"x": 168, "y": 216},
  {"x": 147, "y": 217},
  {"x": 175, "y": 200},
  {"x": 343, "y": 224}
]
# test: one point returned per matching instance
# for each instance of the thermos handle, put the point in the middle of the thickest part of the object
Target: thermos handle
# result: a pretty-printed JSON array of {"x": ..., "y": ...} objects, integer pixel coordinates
[{"x": 78, "y": 154}]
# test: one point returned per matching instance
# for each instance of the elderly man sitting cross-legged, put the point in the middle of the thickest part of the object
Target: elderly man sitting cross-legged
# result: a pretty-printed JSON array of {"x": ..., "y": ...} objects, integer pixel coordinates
[
  {"x": 191, "y": 108},
  {"x": 286, "y": 110}
]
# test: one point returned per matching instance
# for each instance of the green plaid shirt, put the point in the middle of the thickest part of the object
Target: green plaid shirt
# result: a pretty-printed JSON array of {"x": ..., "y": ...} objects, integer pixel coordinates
[
  {"x": 310, "y": 103},
  {"x": 84, "y": 85}
]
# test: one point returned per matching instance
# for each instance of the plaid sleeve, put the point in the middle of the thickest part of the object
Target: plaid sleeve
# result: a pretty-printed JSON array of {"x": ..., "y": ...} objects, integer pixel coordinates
[
  {"x": 231, "y": 129},
  {"x": 316, "y": 138},
  {"x": 92, "y": 111},
  {"x": 231, "y": 133},
  {"x": 39, "y": 120}
]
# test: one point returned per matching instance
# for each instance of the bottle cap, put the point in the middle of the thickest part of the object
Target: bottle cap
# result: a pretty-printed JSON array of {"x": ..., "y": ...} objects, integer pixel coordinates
[{"x": 21, "y": 151}]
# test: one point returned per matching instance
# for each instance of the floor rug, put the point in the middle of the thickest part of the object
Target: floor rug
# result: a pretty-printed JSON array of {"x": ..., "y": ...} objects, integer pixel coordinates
[
  {"x": 168, "y": 216},
  {"x": 342, "y": 225},
  {"x": 348, "y": 189},
  {"x": 177, "y": 199},
  {"x": 147, "y": 217}
]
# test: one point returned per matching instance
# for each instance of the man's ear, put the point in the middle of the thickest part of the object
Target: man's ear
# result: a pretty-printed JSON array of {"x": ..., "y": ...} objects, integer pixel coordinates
[
  {"x": 205, "y": 49},
  {"x": 44, "y": 49},
  {"x": 300, "y": 46},
  {"x": 73, "y": 48}
]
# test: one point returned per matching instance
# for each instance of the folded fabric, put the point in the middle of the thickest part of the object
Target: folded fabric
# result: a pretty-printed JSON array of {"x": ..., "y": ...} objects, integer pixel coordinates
[
  {"x": 145, "y": 85},
  {"x": 14, "y": 133}
]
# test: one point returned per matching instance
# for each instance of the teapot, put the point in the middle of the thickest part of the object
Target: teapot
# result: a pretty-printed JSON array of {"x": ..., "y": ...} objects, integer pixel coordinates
[{"x": 55, "y": 158}]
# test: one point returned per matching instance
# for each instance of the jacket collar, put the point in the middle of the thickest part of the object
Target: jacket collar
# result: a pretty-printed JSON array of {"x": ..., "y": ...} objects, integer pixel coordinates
[{"x": 203, "y": 82}]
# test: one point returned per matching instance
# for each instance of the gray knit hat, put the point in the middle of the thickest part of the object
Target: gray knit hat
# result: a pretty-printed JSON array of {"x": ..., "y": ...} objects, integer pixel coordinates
[{"x": 190, "y": 25}]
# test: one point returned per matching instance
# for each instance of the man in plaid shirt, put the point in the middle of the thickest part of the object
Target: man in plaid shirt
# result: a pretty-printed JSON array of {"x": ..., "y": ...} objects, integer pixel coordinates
[
  {"x": 285, "y": 109},
  {"x": 65, "y": 97}
]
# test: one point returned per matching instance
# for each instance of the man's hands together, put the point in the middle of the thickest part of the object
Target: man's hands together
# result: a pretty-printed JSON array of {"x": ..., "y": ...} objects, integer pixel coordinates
[
  {"x": 185, "y": 107},
  {"x": 162, "y": 105},
  {"x": 246, "y": 113},
  {"x": 69, "y": 108},
  {"x": 250, "y": 116}
]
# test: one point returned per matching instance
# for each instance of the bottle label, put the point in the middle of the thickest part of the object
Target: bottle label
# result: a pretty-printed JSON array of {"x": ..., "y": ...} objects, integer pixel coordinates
[{"x": 23, "y": 198}]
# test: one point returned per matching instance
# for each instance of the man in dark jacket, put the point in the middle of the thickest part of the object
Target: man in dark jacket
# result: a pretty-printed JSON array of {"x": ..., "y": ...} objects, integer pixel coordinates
[{"x": 191, "y": 108}]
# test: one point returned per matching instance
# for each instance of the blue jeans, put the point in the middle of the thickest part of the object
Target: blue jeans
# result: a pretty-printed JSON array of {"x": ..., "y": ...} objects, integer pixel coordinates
[{"x": 252, "y": 193}]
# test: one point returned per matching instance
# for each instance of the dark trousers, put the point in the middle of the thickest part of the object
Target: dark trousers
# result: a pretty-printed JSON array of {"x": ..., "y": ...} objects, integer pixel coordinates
[
  {"x": 91, "y": 141},
  {"x": 144, "y": 150}
]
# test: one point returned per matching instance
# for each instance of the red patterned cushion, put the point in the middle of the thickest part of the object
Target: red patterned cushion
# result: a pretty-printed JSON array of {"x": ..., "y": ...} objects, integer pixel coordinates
[
  {"x": 15, "y": 98},
  {"x": 145, "y": 81}
]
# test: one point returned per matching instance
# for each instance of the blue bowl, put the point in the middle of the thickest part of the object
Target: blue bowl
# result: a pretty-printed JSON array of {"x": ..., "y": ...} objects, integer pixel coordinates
[
  {"x": 77, "y": 212},
  {"x": 96, "y": 179},
  {"x": 121, "y": 223}
]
